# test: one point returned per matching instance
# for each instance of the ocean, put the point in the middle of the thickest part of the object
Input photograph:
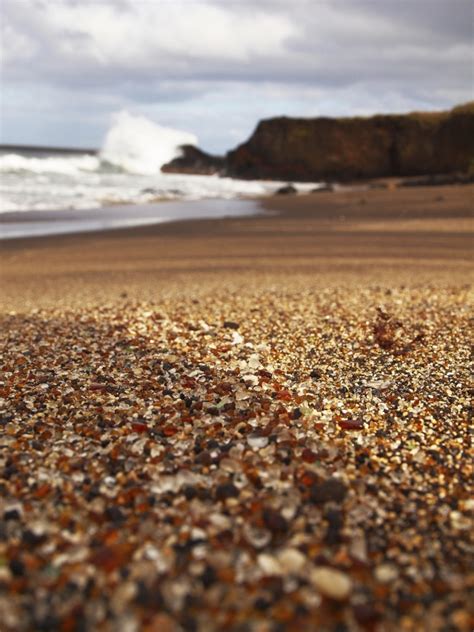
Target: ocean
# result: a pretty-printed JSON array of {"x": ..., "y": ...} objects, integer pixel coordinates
[{"x": 122, "y": 177}]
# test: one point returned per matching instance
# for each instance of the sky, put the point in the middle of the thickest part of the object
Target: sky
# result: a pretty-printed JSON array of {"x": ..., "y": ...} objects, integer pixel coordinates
[{"x": 216, "y": 67}]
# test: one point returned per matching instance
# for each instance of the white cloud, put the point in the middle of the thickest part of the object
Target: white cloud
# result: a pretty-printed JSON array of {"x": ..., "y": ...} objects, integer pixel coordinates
[
  {"x": 15, "y": 46},
  {"x": 154, "y": 34}
]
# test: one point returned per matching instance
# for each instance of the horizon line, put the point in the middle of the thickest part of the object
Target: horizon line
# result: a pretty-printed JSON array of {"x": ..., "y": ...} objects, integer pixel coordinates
[{"x": 53, "y": 149}]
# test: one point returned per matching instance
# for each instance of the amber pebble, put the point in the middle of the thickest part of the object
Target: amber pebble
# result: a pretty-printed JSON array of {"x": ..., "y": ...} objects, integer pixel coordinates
[
  {"x": 351, "y": 424},
  {"x": 109, "y": 558},
  {"x": 138, "y": 426},
  {"x": 308, "y": 456},
  {"x": 308, "y": 478},
  {"x": 42, "y": 491},
  {"x": 97, "y": 386},
  {"x": 284, "y": 396}
]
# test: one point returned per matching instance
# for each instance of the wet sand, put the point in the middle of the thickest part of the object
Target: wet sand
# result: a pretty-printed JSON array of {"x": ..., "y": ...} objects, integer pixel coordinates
[
  {"x": 256, "y": 424},
  {"x": 350, "y": 237}
]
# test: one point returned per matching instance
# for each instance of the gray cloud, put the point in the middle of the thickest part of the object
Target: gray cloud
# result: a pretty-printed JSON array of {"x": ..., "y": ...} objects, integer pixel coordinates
[{"x": 241, "y": 58}]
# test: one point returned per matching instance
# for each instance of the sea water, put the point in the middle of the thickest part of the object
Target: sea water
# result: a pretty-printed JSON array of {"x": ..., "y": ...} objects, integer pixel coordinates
[{"x": 123, "y": 173}]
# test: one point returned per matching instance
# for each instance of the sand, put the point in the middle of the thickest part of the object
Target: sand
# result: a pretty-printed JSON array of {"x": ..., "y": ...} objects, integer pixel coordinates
[
  {"x": 249, "y": 424},
  {"x": 327, "y": 236}
]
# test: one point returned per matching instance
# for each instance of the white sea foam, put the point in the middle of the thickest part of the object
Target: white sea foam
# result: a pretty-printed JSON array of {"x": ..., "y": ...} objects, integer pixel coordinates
[
  {"x": 63, "y": 165},
  {"x": 140, "y": 146}
]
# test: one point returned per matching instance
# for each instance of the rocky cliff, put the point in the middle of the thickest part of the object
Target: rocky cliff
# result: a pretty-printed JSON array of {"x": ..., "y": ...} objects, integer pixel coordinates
[{"x": 355, "y": 148}]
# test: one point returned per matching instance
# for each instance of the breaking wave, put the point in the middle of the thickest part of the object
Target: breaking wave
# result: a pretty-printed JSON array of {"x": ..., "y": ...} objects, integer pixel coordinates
[
  {"x": 133, "y": 144},
  {"x": 137, "y": 145}
]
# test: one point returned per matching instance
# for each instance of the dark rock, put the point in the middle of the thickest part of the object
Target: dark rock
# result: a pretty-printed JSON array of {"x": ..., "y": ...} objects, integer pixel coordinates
[
  {"x": 356, "y": 148},
  {"x": 335, "y": 521},
  {"x": 204, "y": 458},
  {"x": 226, "y": 490},
  {"x": 230, "y": 324},
  {"x": 323, "y": 189},
  {"x": 288, "y": 189},
  {"x": 204, "y": 494},
  {"x": 12, "y": 514},
  {"x": 190, "y": 492},
  {"x": 208, "y": 577},
  {"x": 274, "y": 521},
  {"x": 366, "y": 613},
  {"x": 17, "y": 567},
  {"x": 332, "y": 489},
  {"x": 262, "y": 604},
  {"x": 149, "y": 596},
  {"x": 114, "y": 514},
  {"x": 31, "y": 538},
  {"x": 194, "y": 161}
]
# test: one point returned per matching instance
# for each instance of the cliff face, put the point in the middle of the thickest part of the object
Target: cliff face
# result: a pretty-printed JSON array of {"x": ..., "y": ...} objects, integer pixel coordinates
[{"x": 351, "y": 148}]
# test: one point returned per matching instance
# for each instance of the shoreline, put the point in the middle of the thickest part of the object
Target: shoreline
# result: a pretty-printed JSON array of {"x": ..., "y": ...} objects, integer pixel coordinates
[
  {"x": 32, "y": 224},
  {"x": 348, "y": 237}
]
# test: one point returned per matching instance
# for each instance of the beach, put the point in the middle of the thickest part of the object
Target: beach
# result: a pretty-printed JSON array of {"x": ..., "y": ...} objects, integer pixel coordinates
[
  {"x": 353, "y": 237},
  {"x": 246, "y": 423}
]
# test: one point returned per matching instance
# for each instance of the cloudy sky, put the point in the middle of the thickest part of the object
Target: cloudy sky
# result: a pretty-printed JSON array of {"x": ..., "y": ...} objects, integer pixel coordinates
[{"x": 216, "y": 67}]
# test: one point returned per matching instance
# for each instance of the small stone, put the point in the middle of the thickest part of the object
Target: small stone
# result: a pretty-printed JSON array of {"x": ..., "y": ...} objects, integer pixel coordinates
[
  {"x": 308, "y": 456},
  {"x": 335, "y": 521},
  {"x": 17, "y": 567},
  {"x": 12, "y": 513},
  {"x": 332, "y": 489},
  {"x": 351, "y": 424},
  {"x": 459, "y": 522},
  {"x": 256, "y": 537},
  {"x": 114, "y": 514},
  {"x": 291, "y": 560},
  {"x": 220, "y": 521},
  {"x": 189, "y": 492},
  {"x": 236, "y": 338},
  {"x": 257, "y": 442},
  {"x": 208, "y": 577},
  {"x": 33, "y": 536},
  {"x": 254, "y": 361},
  {"x": 5, "y": 575},
  {"x": 331, "y": 583},
  {"x": 230, "y": 324},
  {"x": 226, "y": 490},
  {"x": 288, "y": 189},
  {"x": 269, "y": 564},
  {"x": 386, "y": 573},
  {"x": 274, "y": 521},
  {"x": 366, "y": 613}
]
